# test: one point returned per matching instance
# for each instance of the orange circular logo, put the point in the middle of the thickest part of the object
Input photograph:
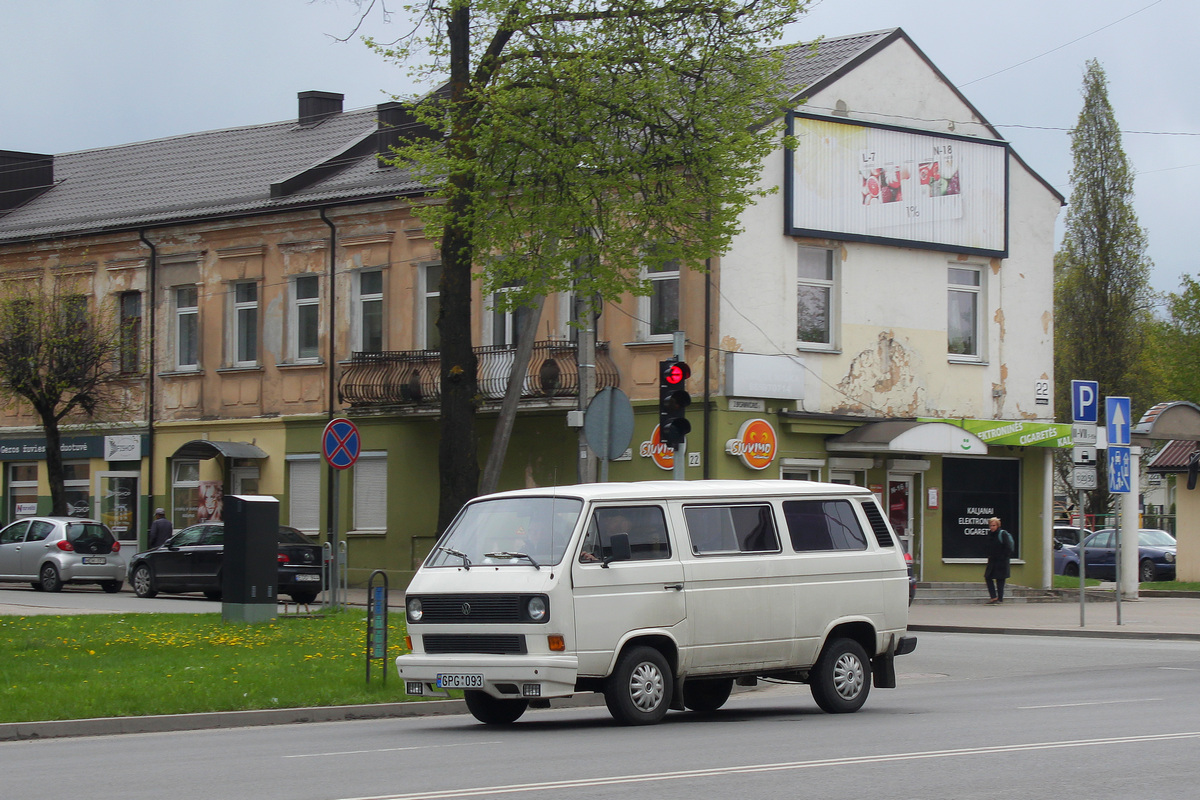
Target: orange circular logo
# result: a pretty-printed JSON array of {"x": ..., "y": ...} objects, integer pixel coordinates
[
  {"x": 662, "y": 454},
  {"x": 755, "y": 444}
]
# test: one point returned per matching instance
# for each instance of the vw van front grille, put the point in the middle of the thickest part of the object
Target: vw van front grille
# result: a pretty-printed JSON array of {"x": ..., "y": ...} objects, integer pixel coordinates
[
  {"x": 467, "y": 608},
  {"x": 499, "y": 644}
]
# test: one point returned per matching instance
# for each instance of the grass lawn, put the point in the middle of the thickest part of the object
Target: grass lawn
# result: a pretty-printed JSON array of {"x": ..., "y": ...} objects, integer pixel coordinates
[
  {"x": 102, "y": 665},
  {"x": 1065, "y": 582}
]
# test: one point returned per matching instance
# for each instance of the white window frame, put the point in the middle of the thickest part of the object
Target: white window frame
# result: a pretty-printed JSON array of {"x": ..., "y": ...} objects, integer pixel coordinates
[
  {"x": 304, "y": 492},
  {"x": 189, "y": 316},
  {"x": 801, "y": 469},
  {"x": 370, "y": 493},
  {"x": 77, "y": 484},
  {"x": 830, "y": 285},
  {"x": 508, "y": 322},
  {"x": 302, "y": 306},
  {"x": 977, "y": 292},
  {"x": 431, "y": 303},
  {"x": 176, "y": 484},
  {"x": 244, "y": 328},
  {"x": 361, "y": 300},
  {"x": 15, "y": 486},
  {"x": 646, "y": 303}
]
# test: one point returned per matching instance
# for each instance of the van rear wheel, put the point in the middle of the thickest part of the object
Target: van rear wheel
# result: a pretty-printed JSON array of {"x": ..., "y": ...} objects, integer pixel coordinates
[
  {"x": 639, "y": 690},
  {"x": 492, "y": 710},
  {"x": 841, "y": 679},
  {"x": 707, "y": 695}
]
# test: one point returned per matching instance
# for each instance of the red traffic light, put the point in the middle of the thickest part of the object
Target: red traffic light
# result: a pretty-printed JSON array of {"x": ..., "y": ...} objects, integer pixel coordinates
[{"x": 676, "y": 373}]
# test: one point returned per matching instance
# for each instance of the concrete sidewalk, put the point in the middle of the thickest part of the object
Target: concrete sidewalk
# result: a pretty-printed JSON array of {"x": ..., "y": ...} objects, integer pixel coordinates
[{"x": 1149, "y": 617}]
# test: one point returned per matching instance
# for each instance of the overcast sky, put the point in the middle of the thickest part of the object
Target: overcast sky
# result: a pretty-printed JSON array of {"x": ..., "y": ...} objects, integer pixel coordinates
[{"x": 79, "y": 74}]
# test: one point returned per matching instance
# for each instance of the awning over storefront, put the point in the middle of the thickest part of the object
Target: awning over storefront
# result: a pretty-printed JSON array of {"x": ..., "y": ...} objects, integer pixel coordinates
[
  {"x": 207, "y": 448},
  {"x": 1014, "y": 432},
  {"x": 908, "y": 436},
  {"x": 1177, "y": 420}
]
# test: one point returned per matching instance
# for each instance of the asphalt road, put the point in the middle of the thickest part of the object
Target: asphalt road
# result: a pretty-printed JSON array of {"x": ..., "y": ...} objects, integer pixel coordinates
[{"x": 974, "y": 717}]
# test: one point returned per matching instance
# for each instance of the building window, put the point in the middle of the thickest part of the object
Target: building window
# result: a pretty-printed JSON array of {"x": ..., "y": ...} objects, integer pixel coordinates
[
  {"x": 370, "y": 312},
  {"x": 130, "y": 313},
  {"x": 245, "y": 323},
  {"x": 306, "y": 313},
  {"x": 75, "y": 310},
  {"x": 77, "y": 483},
  {"x": 22, "y": 490},
  {"x": 433, "y": 306},
  {"x": 962, "y": 322},
  {"x": 815, "y": 296},
  {"x": 304, "y": 494},
  {"x": 506, "y": 325},
  {"x": 185, "y": 488},
  {"x": 661, "y": 308},
  {"x": 187, "y": 328},
  {"x": 370, "y": 492}
]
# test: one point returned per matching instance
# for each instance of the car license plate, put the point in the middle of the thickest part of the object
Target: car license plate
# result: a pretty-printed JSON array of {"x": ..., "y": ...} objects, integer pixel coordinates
[
  {"x": 307, "y": 578},
  {"x": 95, "y": 560},
  {"x": 460, "y": 681}
]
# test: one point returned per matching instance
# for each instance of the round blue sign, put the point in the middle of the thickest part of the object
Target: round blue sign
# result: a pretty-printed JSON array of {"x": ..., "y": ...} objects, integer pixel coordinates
[{"x": 340, "y": 444}]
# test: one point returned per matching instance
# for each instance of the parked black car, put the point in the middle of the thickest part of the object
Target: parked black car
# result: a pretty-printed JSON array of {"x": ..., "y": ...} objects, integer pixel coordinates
[{"x": 190, "y": 561}]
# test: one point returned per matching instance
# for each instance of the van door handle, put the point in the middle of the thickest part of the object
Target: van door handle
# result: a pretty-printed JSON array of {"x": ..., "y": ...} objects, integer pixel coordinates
[{"x": 676, "y": 586}]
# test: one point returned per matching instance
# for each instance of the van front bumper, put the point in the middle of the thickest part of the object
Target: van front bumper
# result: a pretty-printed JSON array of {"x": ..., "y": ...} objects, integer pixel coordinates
[{"x": 506, "y": 677}]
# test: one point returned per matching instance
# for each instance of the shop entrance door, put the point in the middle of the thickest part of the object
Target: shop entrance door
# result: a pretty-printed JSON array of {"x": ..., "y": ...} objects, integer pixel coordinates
[
  {"x": 119, "y": 495},
  {"x": 900, "y": 508}
]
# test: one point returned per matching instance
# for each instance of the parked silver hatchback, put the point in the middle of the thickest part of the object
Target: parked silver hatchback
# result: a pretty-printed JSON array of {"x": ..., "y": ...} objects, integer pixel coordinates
[{"x": 52, "y": 551}]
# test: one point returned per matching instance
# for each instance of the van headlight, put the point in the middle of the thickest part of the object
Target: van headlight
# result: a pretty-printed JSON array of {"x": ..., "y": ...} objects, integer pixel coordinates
[
  {"x": 414, "y": 609},
  {"x": 536, "y": 608}
]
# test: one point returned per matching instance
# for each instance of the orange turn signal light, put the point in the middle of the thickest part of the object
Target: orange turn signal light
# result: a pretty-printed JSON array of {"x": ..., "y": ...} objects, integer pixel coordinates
[{"x": 557, "y": 644}]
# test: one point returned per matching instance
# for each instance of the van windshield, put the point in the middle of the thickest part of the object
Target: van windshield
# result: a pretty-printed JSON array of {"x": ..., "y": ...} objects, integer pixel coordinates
[{"x": 514, "y": 531}]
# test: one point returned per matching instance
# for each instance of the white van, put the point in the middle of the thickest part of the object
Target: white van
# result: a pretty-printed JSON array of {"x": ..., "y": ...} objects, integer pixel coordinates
[{"x": 659, "y": 595}]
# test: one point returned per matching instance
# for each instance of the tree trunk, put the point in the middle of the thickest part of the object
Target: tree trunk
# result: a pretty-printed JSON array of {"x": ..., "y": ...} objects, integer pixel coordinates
[
  {"x": 458, "y": 460},
  {"x": 54, "y": 464},
  {"x": 512, "y": 397}
]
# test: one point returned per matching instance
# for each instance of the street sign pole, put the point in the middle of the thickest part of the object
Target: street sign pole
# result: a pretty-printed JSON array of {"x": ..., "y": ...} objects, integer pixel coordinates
[
  {"x": 1085, "y": 414},
  {"x": 341, "y": 445}
]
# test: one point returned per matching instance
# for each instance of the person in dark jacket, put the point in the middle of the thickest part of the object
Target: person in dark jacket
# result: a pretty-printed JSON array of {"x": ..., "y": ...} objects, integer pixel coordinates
[
  {"x": 1000, "y": 550},
  {"x": 160, "y": 529}
]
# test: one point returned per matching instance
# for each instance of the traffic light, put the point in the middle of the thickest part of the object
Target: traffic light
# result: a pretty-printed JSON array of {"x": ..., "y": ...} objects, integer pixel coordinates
[{"x": 673, "y": 399}]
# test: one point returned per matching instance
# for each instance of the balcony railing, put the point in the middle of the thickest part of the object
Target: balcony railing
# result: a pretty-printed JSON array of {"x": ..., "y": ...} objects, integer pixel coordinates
[{"x": 413, "y": 377}]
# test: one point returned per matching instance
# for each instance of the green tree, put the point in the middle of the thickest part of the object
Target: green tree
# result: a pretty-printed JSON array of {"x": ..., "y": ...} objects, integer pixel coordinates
[
  {"x": 62, "y": 357},
  {"x": 1102, "y": 297},
  {"x": 571, "y": 137},
  {"x": 1175, "y": 345}
]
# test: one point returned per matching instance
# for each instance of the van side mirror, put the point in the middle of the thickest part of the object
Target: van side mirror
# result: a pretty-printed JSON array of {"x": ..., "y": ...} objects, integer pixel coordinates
[{"x": 618, "y": 546}]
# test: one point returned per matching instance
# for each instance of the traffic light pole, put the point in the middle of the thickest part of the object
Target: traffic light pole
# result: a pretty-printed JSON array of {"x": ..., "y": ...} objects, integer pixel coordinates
[{"x": 679, "y": 462}]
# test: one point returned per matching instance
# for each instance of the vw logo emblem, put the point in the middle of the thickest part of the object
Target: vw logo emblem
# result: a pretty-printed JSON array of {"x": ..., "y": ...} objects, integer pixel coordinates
[{"x": 466, "y": 609}]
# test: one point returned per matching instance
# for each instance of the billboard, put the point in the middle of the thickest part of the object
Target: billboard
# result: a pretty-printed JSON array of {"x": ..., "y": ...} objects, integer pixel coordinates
[{"x": 885, "y": 184}]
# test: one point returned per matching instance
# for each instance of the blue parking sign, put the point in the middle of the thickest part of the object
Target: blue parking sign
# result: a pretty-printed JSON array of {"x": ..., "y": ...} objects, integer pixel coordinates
[
  {"x": 1085, "y": 401},
  {"x": 1118, "y": 469}
]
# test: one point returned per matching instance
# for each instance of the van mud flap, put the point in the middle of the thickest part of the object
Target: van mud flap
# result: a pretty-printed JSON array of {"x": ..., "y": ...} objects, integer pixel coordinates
[{"x": 883, "y": 667}]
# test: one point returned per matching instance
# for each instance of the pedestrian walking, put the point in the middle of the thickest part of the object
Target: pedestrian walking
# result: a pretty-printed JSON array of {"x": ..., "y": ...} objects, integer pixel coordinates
[
  {"x": 160, "y": 529},
  {"x": 1000, "y": 551}
]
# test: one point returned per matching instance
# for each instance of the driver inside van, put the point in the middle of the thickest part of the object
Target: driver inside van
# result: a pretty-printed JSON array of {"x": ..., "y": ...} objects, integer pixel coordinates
[{"x": 604, "y": 524}]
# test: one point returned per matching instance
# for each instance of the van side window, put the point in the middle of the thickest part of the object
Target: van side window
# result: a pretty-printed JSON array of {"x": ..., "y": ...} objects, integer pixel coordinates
[
  {"x": 823, "y": 525},
  {"x": 731, "y": 529},
  {"x": 646, "y": 526}
]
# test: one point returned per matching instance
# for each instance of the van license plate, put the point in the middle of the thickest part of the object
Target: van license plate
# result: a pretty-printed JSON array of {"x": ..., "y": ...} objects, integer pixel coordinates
[
  {"x": 460, "y": 681},
  {"x": 307, "y": 578},
  {"x": 94, "y": 560}
]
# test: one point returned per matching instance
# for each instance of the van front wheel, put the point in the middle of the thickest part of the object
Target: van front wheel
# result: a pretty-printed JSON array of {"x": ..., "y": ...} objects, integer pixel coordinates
[
  {"x": 492, "y": 710},
  {"x": 639, "y": 690},
  {"x": 841, "y": 679}
]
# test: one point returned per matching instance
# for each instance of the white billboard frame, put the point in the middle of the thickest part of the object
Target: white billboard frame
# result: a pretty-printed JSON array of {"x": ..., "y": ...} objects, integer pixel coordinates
[{"x": 869, "y": 182}]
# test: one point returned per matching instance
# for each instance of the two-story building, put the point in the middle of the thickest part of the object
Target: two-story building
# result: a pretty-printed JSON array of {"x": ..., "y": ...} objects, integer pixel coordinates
[{"x": 884, "y": 319}]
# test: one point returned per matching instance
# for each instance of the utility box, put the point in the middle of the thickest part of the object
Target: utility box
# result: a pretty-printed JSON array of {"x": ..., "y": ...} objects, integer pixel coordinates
[{"x": 250, "y": 568}]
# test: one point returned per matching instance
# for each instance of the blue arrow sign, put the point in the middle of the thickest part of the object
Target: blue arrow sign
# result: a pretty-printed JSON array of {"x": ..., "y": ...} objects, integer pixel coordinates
[
  {"x": 1116, "y": 416},
  {"x": 1085, "y": 401},
  {"x": 340, "y": 444},
  {"x": 1119, "y": 469}
]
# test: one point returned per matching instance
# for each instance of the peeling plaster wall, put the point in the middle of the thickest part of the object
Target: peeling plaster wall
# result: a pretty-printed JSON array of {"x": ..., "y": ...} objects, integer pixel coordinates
[{"x": 889, "y": 356}]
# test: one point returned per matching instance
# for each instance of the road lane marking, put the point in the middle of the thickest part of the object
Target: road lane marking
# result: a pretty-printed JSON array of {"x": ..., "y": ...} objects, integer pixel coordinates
[
  {"x": 654, "y": 777},
  {"x": 1093, "y": 703},
  {"x": 388, "y": 749}
]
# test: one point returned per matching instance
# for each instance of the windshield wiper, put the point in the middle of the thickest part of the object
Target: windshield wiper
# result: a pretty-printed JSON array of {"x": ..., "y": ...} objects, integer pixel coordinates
[
  {"x": 466, "y": 561},
  {"x": 506, "y": 554}
]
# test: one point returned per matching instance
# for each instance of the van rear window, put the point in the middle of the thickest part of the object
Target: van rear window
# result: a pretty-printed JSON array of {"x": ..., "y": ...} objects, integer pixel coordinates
[
  {"x": 731, "y": 529},
  {"x": 823, "y": 525}
]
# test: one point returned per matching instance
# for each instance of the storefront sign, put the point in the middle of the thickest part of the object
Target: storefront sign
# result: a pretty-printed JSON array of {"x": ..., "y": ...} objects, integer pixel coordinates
[
  {"x": 756, "y": 444},
  {"x": 663, "y": 455},
  {"x": 127, "y": 447},
  {"x": 975, "y": 490},
  {"x": 1018, "y": 433}
]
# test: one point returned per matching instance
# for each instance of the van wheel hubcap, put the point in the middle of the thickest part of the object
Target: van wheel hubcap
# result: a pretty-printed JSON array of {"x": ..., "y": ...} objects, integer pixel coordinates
[
  {"x": 848, "y": 676},
  {"x": 646, "y": 686}
]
